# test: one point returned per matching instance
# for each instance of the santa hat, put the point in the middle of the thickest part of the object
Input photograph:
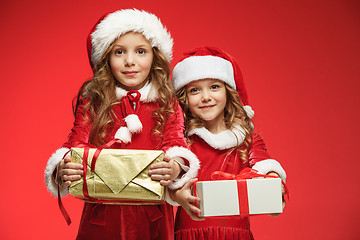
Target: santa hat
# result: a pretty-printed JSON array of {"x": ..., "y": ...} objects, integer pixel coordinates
[
  {"x": 210, "y": 62},
  {"x": 113, "y": 25}
]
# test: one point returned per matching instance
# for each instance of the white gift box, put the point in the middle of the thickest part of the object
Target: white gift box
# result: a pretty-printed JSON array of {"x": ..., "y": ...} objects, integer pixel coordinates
[{"x": 223, "y": 197}]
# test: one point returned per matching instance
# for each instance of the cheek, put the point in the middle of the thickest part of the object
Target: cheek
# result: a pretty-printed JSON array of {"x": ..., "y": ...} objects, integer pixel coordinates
[
  {"x": 147, "y": 63},
  {"x": 193, "y": 102},
  {"x": 114, "y": 64}
]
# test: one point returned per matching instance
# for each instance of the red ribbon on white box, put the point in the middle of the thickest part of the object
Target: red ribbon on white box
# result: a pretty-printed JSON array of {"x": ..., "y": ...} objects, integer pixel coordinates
[{"x": 246, "y": 173}]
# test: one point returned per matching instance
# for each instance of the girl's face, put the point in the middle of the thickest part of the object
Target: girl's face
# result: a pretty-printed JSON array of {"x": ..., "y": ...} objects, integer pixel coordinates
[
  {"x": 207, "y": 100},
  {"x": 130, "y": 60}
]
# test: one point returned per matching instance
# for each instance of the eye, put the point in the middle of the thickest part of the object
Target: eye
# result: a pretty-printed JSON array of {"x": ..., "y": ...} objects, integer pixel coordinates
[
  {"x": 215, "y": 86},
  {"x": 141, "y": 51},
  {"x": 119, "y": 52},
  {"x": 193, "y": 90}
]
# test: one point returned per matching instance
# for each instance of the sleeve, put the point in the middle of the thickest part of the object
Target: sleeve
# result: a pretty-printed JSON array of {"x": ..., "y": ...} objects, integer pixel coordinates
[
  {"x": 79, "y": 133},
  {"x": 261, "y": 161},
  {"x": 175, "y": 146}
]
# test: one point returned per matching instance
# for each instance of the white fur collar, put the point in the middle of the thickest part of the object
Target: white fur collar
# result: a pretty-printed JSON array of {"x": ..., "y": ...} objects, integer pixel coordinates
[
  {"x": 223, "y": 140},
  {"x": 148, "y": 93}
]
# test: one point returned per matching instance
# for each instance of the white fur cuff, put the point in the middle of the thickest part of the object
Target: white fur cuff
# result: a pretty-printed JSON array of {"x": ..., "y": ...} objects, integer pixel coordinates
[
  {"x": 194, "y": 165},
  {"x": 270, "y": 165},
  {"x": 168, "y": 199},
  {"x": 50, "y": 167}
]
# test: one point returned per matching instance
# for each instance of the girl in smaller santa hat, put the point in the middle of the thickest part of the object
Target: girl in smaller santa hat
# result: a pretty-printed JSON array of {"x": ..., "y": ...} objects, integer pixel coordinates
[
  {"x": 129, "y": 98},
  {"x": 218, "y": 124}
]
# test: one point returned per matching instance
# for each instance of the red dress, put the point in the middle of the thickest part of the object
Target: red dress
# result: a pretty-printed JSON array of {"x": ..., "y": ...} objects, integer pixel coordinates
[
  {"x": 100, "y": 221},
  {"x": 212, "y": 151}
]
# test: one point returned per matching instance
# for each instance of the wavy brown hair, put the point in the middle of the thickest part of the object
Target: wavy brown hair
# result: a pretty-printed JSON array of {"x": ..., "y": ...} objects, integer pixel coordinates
[
  {"x": 101, "y": 93},
  {"x": 233, "y": 113}
]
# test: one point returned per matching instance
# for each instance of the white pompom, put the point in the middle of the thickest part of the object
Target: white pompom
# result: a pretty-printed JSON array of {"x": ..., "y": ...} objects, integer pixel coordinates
[
  {"x": 133, "y": 123},
  {"x": 123, "y": 134},
  {"x": 249, "y": 111}
]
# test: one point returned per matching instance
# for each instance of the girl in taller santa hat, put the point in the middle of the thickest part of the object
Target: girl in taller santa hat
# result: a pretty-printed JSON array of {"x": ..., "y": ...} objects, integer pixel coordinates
[
  {"x": 218, "y": 125},
  {"x": 130, "y": 98}
]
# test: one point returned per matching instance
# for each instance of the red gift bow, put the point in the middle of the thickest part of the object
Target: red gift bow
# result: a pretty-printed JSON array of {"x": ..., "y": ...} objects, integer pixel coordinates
[{"x": 246, "y": 173}]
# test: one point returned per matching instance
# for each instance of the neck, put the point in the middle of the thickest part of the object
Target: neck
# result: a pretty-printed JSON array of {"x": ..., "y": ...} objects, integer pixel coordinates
[{"x": 216, "y": 126}]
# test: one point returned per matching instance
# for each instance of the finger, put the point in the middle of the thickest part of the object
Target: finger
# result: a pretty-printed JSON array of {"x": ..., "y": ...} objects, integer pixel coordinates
[
  {"x": 160, "y": 165},
  {"x": 165, "y": 183},
  {"x": 273, "y": 174},
  {"x": 192, "y": 199},
  {"x": 67, "y": 183},
  {"x": 194, "y": 209},
  {"x": 167, "y": 159},
  {"x": 72, "y": 172},
  {"x": 160, "y": 171},
  {"x": 194, "y": 215},
  {"x": 158, "y": 177},
  {"x": 191, "y": 182},
  {"x": 71, "y": 178},
  {"x": 73, "y": 166},
  {"x": 67, "y": 159}
]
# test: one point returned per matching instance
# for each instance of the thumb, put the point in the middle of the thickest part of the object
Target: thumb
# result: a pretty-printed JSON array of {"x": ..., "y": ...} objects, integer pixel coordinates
[
  {"x": 67, "y": 159},
  {"x": 190, "y": 183},
  {"x": 167, "y": 158}
]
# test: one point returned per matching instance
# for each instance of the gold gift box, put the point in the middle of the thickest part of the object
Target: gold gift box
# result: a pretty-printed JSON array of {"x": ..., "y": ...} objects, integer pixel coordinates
[{"x": 120, "y": 177}]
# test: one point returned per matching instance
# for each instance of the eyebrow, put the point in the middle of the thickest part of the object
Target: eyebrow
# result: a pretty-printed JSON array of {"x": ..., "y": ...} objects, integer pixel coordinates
[{"x": 139, "y": 46}]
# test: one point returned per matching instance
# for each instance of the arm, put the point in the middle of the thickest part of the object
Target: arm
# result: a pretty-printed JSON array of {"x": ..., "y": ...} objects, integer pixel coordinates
[
  {"x": 56, "y": 164},
  {"x": 261, "y": 161},
  {"x": 178, "y": 157},
  {"x": 184, "y": 197}
]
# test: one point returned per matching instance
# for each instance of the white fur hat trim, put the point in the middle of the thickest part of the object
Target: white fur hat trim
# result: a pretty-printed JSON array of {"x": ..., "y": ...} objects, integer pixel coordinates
[
  {"x": 120, "y": 22},
  {"x": 202, "y": 67}
]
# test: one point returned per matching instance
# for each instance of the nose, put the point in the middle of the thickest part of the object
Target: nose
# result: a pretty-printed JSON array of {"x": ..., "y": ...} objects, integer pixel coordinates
[
  {"x": 206, "y": 97},
  {"x": 129, "y": 60}
]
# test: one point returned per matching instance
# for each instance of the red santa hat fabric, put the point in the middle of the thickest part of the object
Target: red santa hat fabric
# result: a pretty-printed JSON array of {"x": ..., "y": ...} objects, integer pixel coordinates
[{"x": 112, "y": 25}]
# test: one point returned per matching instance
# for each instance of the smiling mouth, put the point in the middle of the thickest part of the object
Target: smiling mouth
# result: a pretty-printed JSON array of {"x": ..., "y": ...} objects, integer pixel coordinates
[
  {"x": 130, "y": 73},
  {"x": 206, "y": 107}
]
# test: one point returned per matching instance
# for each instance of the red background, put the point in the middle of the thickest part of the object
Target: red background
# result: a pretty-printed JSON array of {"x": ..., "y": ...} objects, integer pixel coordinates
[{"x": 300, "y": 61}]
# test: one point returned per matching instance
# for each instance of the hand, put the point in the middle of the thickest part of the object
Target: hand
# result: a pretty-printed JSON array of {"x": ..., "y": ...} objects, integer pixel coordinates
[
  {"x": 185, "y": 199},
  {"x": 69, "y": 172},
  {"x": 165, "y": 171},
  {"x": 282, "y": 191}
]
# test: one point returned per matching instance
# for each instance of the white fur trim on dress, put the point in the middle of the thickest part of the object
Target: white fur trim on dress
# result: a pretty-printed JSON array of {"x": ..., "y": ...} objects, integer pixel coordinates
[
  {"x": 123, "y": 134},
  {"x": 249, "y": 111},
  {"x": 270, "y": 165},
  {"x": 202, "y": 67},
  {"x": 194, "y": 165},
  {"x": 148, "y": 93},
  {"x": 133, "y": 123},
  {"x": 50, "y": 167},
  {"x": 224, "y": 140},
  {"x": 130, "y": 20},
  {"x": 168, "y": 199}
]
